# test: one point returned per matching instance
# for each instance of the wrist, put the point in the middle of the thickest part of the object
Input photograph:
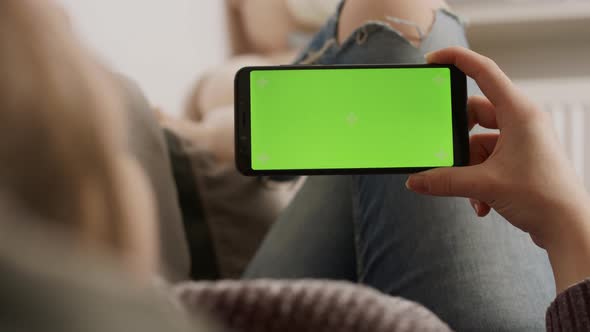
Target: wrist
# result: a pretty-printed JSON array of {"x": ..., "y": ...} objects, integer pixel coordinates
[
  {"x": 568, "y": 245},
  {"x": 561, "y": 219}
]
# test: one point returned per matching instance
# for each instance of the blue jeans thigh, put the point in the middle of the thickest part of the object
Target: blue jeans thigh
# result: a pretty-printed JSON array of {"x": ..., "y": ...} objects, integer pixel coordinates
[{"x": 476, "y": 274}]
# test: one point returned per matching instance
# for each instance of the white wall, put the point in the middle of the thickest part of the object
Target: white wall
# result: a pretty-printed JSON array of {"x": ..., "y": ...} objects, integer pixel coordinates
[{"x": 162, "y": 44}]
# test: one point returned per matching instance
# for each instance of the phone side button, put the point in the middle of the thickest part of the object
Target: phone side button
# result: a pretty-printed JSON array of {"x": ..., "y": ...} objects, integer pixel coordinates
[{"x": 244, "y": 150}]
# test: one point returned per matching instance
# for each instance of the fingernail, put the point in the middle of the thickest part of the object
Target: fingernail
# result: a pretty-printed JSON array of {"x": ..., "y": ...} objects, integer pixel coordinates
[
  {"x": 427, "y": 56},
  {"x": 417, "y": 183},
  {"x": 476, "y": 207}
]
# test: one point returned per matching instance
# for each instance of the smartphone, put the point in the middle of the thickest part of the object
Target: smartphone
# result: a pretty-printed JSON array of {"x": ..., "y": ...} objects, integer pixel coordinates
[{"x": 368, "y": 119}]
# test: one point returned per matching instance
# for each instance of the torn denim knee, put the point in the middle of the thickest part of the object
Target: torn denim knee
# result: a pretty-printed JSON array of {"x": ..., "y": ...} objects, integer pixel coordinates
[
  {"x": 324, "y": 48},
  {"x": 378, "y": 43}
]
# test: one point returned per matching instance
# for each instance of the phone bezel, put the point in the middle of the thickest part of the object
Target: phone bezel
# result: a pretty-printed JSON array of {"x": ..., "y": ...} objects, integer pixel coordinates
[{"x": 243, "y": 130}]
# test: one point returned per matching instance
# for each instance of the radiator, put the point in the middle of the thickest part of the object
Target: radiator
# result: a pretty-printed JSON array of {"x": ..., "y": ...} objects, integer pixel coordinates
[{"x": 568, "y": 102}]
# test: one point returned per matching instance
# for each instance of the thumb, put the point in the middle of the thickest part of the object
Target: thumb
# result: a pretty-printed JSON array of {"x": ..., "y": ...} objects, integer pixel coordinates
[{"x": 453, "y": 182}]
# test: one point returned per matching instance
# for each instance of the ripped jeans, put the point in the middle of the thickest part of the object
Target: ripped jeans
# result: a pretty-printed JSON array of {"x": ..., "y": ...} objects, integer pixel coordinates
[{"x": 475, "y": 274}]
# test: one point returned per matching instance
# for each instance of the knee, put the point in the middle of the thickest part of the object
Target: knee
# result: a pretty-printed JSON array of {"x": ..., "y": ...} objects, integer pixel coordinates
[{"x": 356, "y": 13}]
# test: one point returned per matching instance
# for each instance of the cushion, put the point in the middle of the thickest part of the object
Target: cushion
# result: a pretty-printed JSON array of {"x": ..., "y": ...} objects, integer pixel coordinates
[
  {"x": 148, "y": 146},
  {"x": 226, "y": 215}
]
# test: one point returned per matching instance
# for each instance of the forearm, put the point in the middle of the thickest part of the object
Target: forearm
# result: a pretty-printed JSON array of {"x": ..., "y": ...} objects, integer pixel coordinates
[{"x": 569, "y": 250}]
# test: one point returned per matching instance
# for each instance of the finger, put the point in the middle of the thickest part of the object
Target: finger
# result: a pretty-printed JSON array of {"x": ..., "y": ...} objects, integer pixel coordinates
[
  {"x": 489, "y": 77},
  {"x": 481, "y": 147},
  {"x": 451, "y": 182},
  {"x": 481, "y": 209},
  {"x": 481, "y": 112}
]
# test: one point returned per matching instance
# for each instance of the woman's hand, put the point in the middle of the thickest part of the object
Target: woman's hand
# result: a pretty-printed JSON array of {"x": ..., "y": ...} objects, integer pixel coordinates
[{"x": 522, "y": 172}]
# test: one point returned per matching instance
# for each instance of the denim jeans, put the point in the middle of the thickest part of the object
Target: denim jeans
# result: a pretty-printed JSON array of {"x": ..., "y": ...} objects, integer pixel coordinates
[{"x": 475, "y": 274}]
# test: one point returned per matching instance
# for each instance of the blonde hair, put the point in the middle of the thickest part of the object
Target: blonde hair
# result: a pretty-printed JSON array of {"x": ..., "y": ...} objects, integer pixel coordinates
[{"x": 62, "y": 141}]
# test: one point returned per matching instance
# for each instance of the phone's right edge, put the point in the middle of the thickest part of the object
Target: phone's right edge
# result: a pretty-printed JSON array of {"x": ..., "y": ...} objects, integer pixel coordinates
[{"x": 460, "y": 117}]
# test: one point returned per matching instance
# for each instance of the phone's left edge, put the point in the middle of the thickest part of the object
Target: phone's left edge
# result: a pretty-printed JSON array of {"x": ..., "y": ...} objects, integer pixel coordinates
[{"x": 242, "y": 131}]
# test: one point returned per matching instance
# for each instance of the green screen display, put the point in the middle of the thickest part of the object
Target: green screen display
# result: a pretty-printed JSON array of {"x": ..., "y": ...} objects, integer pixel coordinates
[{"x": 351, "y": 118}]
